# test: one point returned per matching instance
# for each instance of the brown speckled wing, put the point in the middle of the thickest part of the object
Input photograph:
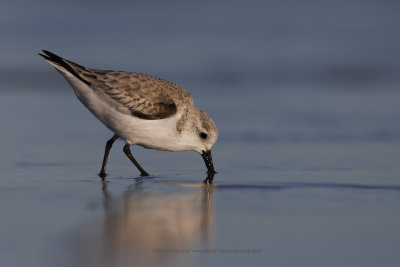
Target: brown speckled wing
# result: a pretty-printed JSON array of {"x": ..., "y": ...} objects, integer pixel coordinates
[{"x": 145, "y": 96}]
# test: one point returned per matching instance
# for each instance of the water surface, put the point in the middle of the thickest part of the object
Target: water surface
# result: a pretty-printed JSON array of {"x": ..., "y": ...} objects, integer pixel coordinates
[{"x": 282, "y": 195}]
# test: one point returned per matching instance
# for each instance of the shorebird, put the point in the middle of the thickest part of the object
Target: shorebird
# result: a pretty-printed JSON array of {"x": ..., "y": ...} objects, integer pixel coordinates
[{"x": 141, "y": 110}]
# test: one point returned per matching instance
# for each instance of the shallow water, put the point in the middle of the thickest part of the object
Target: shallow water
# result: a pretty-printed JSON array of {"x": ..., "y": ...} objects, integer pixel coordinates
[{"x": 309, "y": 188}]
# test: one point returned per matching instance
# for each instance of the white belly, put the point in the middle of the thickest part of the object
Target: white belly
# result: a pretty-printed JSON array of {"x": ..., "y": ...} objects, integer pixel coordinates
[{"x": 157, "y": 134}]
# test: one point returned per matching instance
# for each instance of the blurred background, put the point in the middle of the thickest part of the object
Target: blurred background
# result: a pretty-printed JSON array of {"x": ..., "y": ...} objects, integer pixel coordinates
[
  {"x": 305, "y": 95},
  {"x": 346, "y": 45},
  {"x": 305, "y": 70}
]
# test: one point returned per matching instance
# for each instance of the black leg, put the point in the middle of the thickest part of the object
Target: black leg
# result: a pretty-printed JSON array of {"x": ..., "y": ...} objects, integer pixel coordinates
[
  {"x": 128, "y": 153},
  {"x": 109, "y": 144},
  {"x": 209, "y": 179}
]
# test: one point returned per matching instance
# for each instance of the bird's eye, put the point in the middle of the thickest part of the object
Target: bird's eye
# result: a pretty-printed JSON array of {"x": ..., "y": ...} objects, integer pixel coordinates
[{"x": 203, "y": 135}]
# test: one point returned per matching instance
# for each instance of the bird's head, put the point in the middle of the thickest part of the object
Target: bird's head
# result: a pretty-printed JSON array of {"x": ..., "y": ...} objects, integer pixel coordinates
[{"x": 202, "y": 134}]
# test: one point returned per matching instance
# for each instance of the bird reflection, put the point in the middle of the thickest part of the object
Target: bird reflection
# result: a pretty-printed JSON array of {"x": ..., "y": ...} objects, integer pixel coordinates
[{"x": 148, "y": 228}]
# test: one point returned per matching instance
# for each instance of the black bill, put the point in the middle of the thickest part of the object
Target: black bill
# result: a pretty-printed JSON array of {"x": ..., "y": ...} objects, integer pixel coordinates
[{"x": 208, "y": 161}]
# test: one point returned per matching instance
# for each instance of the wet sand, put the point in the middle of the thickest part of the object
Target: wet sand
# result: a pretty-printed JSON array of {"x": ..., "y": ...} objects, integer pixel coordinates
[{"x": 283, "y": 195}]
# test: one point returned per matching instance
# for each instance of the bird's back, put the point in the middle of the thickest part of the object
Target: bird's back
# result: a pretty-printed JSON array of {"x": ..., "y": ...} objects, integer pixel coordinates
[
  {"x": 145, "y": 96},
  {"x": 142, "y": 95}
]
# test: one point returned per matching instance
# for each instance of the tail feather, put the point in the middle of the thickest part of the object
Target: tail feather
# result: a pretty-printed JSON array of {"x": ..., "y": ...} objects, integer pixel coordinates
[{"x": 69, "y": 66}]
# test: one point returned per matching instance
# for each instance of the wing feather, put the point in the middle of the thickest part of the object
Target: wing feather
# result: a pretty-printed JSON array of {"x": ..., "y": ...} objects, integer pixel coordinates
[{"x": 145, "y": 96}]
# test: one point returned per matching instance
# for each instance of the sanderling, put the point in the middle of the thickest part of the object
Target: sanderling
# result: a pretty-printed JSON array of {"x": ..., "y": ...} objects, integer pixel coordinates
[{"x": 141, "y": 110}]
